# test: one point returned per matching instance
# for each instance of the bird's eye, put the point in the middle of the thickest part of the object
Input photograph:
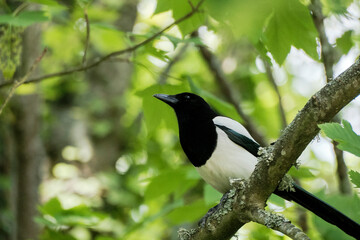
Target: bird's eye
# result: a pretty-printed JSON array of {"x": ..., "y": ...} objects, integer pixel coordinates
[{"x": 187, "y": 97}]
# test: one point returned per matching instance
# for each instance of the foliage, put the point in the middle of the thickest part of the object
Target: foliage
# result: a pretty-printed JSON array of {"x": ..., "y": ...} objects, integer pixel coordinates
[
  {"x": 24, "y": 19},
  {"x": 350, "y": 205},
  {"x": 355, "y": 178},
  {"x": 115, "y": 167},
  {"x": 348, "y": 140},
  {"x": 10, "y": 43}
]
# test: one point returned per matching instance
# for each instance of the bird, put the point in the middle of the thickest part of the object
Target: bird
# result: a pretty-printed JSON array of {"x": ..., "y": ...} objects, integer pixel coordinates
[{"x": 221, "y": 148}]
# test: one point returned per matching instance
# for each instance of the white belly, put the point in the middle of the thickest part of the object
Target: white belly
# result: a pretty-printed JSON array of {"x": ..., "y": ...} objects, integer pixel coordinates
[{"x": 229, "y": 160}]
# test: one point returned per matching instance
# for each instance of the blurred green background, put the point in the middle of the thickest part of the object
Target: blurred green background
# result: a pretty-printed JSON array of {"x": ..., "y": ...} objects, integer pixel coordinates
[{"x": 92, "y": 155}]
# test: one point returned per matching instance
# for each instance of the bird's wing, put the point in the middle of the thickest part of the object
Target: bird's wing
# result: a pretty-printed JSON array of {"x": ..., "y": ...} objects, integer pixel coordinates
[{"x": 248, "y": 144}]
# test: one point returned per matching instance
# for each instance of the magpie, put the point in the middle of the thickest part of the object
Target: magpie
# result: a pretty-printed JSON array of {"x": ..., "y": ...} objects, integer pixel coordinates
[{"x": 221, "y": 148}]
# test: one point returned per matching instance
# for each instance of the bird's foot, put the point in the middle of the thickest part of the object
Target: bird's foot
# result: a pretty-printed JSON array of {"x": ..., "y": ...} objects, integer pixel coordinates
[{"x": 204, "y": 219}]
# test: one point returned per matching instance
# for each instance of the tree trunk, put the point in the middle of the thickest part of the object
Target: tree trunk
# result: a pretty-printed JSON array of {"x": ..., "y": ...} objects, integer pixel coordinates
[
  {"x": 108, "y": 82},
  {"x": 30, "y": 153}
]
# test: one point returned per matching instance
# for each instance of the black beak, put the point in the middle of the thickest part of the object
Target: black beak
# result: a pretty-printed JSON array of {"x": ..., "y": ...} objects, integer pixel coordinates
[{"x": 169, "y": 99}]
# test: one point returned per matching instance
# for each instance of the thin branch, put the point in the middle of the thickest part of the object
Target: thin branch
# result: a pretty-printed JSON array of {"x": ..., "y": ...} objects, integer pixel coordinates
[
  {"x": 22, "y": 80},
  {"x": 320, "y": 108},
  {"x": 20, "y": 8},
  {"x": 87, "y": 36},
  {"x": 229, "y": 94},
  {"x": 113, "y": 54},
  {"x": 345, "y": 186},
  {"x": 164, "y": 75},
  {"x": 278, "y": 223},
  {"x": 271, "y": 78},
  {"x": 328, "y": 55},
  {"x": 191, "y": 4},
  {"x": 302, "y": 218}
]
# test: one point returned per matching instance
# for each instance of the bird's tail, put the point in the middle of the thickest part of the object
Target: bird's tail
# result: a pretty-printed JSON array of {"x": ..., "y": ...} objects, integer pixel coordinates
[{"x": 321, "y": 209}]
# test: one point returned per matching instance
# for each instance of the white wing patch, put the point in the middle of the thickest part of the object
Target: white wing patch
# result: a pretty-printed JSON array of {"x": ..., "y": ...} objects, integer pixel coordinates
[
  {"x": 229, "y": 160},
  {"x": 232, "y": 124}
]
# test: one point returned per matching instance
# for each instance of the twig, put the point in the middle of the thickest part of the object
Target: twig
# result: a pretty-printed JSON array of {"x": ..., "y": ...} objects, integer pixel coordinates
[
  {"x": 342, "y": 170},
  {"x": 87, "y": 36},
  {"x": 302, "y": 218},
  {"x": 20, "y": 8},
  {"x": 228, "y": 93},
  {"x": 191, "y": 4},
  {"x": 22, "y": 80},
  {"x": 278, "y": 223},
  {"x": 164, "y": 75},
  {"x": 113, "y": 54},
  {"x": 271, "y": 78},
  {"x": 328, "y": 55}
]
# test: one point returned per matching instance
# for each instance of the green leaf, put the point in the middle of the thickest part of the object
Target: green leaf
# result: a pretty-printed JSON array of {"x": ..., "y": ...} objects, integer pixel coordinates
[
  {"x": 165, "y": 210},
  {"x": 211, "y": 196},
  {"x": 55, "y": 216},
  {"x": 274, "y": 199},
  {"x": 290, "y": 25},
  {"x": 263, "y": 52},
  {"x": 160, "y": 54},
  {"x": 24, "y": 19},
  {"x": 189, "y": 213},
  {"x": 175, "y": 41},
  {"x": 51, "y": 207},
  {"x": 277, "y": 41},
  {"x": 163, "y": 6},
  {"x": 55, "y": 235},
  {"x": 302, "y": 172},
  {"x": 245, "y": 18},
  {"x": 336, "y": 6},
  {"x": 179, "y": 9},
  {"x": 219, "y": 105},
  {"x": 51, "y": 3},
  {"x": 348, "y": 140},
  {"x": 156, "y": 111},
  {"x": 355, "y": 178},
  {"x": 345, "y": 42},
  {"x": 101, "y": 128},
  {"x": 11, "y": 48},
  {"x": 79, "y": 216},
  {"x": 170, "y": 181}
]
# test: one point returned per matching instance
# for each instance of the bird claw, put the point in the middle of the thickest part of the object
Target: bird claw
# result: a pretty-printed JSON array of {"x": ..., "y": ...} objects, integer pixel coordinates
[{"x": 204, "y": 219}]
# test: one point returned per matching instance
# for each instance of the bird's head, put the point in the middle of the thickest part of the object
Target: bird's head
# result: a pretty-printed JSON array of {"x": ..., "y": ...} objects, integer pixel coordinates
[{"x": 188, "y": 106}]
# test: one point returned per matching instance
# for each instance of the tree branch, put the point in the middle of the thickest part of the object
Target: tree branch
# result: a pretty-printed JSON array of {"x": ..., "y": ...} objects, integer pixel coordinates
[
  {"x": 328, "y": 53},
  {"x": 164, "y": 75},
  {"x": 271, "y": 78},
  {"x": 87, "y": 36},
  {"x": 278, "y": 223},
  {"x": 113, "y": 54},
  {"x": 328, "y": 56},
  {"x": 22, "y": 80},
  {"x": 278, "y": 158}
]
